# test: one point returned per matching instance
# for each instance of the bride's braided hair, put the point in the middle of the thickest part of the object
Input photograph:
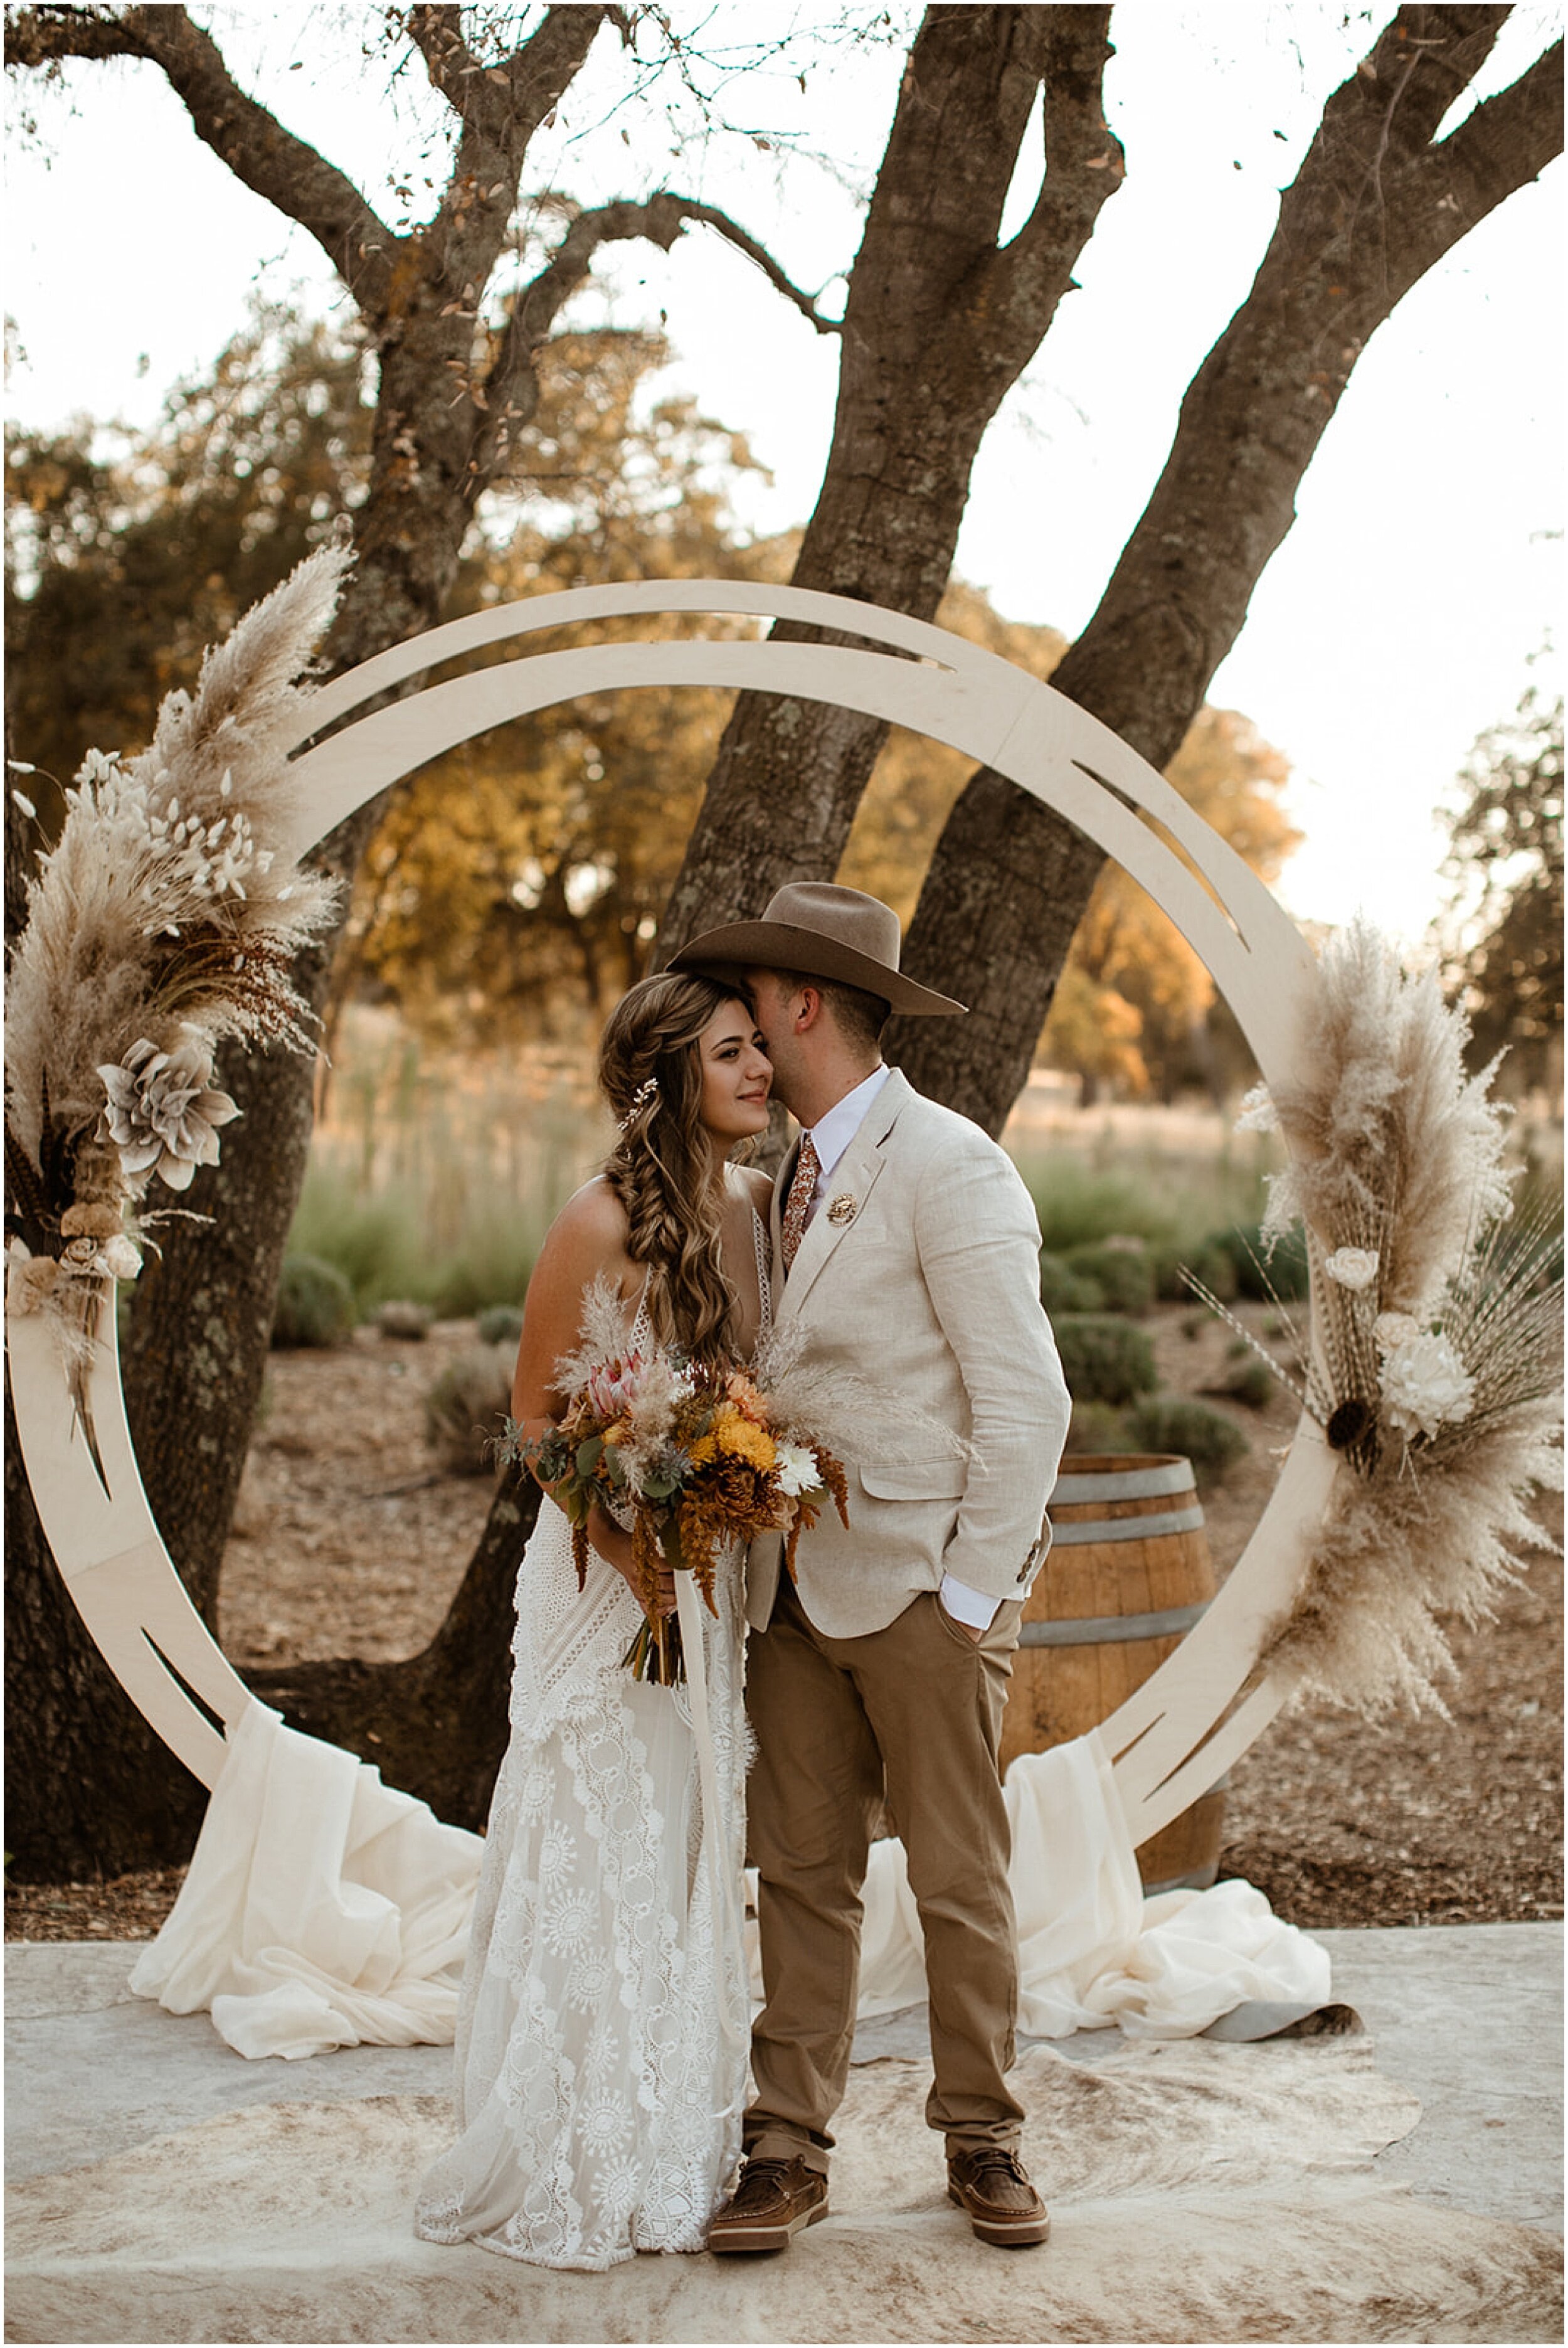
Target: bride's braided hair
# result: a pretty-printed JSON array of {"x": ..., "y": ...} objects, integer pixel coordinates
[{"x": 662, "y": 1166}]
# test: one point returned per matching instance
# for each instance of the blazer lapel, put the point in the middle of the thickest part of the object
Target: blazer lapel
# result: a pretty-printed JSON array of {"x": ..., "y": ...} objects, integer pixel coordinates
[
  {"x": 775, "y": 1220},
  {"x": 853, "y": 1177}
]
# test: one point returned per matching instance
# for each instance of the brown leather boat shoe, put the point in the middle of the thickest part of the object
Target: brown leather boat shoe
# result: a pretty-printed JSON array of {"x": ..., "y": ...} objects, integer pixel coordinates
[
  {"x": 991, "y": 2186},
  {"x": 772, "y": 2201}
]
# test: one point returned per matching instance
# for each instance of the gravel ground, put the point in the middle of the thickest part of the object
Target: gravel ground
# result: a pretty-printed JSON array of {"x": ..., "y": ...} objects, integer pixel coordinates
[{"x": 349, "y": 1540}]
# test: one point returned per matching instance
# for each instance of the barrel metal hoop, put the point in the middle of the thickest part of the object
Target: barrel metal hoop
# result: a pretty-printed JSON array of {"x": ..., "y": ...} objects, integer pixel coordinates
[
  {"x": 1125, "y": 1483},
  {"x": 1097, "y": 1629},
  {"x": 1125, "y": 1528}
]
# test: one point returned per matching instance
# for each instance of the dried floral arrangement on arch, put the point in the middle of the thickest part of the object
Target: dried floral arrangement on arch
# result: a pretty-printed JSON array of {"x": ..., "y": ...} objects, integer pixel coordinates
[
  {"x": 1434, "y": 1362},
  {"x": 165, "y": 917}
]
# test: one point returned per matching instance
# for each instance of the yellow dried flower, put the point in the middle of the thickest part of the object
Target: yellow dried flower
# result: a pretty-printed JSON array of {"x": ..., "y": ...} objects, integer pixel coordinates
[{"x": 742, "y": 1439}]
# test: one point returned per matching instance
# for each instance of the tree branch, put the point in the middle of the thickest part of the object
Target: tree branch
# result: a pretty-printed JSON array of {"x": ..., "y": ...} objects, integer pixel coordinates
[
  {"x": 510, "y": 390},
  {"x": 1509, "y": 138},
  {"x": 437, "y": 35},
  {"x": 711, "y": 217},
  {"x": 45, "y": 37},
  {"x": 1083, "y": 157},
  {"x": 502, "y": 106},
  {"x": 272, "y": 161}
]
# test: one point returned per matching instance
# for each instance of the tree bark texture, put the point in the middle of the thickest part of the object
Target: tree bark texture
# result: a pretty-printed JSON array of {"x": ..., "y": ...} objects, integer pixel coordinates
[
  {"x": 1375, "y": 204},
  {"x": 939, "y": 324}
]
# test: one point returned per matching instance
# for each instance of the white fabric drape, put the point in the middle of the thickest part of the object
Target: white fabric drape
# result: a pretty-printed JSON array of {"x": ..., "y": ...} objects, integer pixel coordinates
[
  {"x": 324, "y": 1910},
  {"x": 1092, "y": 1950}
]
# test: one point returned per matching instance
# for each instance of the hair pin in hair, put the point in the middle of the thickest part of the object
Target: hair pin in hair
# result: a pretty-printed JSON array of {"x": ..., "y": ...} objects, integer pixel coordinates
[{"x": 645, "y": 1091}]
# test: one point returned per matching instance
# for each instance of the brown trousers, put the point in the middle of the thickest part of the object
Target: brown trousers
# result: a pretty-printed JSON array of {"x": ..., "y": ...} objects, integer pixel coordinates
[{"x": 917, "y": 1709}]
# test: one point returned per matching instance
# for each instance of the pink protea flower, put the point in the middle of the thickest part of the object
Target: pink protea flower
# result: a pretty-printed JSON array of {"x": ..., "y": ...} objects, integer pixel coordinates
[{"x": 613, "y": 1386}]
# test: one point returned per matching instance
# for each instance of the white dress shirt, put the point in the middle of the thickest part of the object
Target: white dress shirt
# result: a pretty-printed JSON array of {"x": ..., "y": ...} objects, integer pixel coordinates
[{"x": 830, "y": 1138}]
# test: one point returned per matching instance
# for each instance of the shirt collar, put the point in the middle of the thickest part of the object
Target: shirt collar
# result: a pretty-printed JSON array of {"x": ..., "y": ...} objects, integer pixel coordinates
[{"x": 831, "y": 1134}]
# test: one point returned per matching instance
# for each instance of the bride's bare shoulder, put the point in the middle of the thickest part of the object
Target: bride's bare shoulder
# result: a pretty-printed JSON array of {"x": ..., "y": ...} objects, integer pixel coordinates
[{"x": 591, "y": 1227}]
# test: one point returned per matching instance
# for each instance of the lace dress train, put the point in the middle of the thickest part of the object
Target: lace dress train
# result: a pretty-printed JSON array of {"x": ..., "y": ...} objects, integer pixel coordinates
[{"x": 602, "y": 2032}]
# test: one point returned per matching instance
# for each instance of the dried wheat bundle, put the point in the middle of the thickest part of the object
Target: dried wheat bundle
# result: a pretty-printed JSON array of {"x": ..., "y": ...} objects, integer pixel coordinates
[
  {"x": 1436, "y": 1347},
  {"x": 165, "y": 917},
  {"x": 1398, "y": 1551}
]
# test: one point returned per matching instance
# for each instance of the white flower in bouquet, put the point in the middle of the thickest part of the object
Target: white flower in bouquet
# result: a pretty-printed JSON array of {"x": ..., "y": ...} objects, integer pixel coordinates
[
  {"x": 1391, "y": 1330},
  {"x": 1353, "y": 1268},
  {"x": 1425, "y": 1384},
  {"x": 797, "y": 1469},
  {"x": 163, "y": 1114}
]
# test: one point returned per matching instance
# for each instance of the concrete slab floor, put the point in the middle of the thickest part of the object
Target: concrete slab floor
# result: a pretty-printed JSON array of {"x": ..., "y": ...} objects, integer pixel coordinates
[{"x": 1468, "y": 2016}]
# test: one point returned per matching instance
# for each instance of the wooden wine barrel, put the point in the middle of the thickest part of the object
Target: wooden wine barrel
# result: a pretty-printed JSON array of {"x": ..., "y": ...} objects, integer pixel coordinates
[{"x": 1128, "y": 1575}]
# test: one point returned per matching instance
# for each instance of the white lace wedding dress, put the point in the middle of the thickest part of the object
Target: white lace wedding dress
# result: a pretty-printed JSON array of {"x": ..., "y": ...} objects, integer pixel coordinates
[{"x": 604, "y": 2024}]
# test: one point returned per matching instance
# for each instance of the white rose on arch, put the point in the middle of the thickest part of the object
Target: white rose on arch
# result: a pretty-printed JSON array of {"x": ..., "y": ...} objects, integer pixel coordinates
[
  {"x": 161, "y": 1112},
  {"x": 1425, "y": 1384},
  {"x": 1353, "y": 1268}
]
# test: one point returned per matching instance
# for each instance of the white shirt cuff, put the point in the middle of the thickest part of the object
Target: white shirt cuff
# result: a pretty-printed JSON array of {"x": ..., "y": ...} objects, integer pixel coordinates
[{"x": 965, "y": 1605}]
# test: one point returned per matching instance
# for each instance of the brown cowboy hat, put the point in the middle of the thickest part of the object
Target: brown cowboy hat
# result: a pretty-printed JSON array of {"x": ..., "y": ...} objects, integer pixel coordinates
[{"x": 821, "y": 930}]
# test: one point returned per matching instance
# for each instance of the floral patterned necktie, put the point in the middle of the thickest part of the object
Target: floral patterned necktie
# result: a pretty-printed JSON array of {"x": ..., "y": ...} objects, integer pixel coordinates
[{"x": 797, "y": 1206}]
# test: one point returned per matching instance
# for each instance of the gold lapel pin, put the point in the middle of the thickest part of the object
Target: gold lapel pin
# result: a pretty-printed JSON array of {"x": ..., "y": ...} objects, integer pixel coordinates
[{"x": 842, "y": 1209}]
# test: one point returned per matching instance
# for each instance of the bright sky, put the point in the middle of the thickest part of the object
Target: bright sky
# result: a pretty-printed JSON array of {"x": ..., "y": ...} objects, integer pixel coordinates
[{"x": 1396, "y": 621}]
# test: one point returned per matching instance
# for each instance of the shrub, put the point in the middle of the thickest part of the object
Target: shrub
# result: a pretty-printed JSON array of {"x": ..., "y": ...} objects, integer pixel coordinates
[
  {"x": 1206, "y": 1437},
  {"x": 315, "y": 1304},
  {"x": 464, "y": 1405},
  {"x": 496, "y": 1258},
  {"x": 383, "y": 1244},
  {"x": 1062, "y": 1291},
  {"x": 376, "y": 1244},
  {"x": 1250, "y": 1382},
  {"x": 1123, "y": 1275},
  {"x": 501, "y": 1325},
  {"x": 1096, "y": 1427},
  {"x": 401, "y": 1317},
  {"x": 1281, "y": 1274},
  {"x": 1078, "y": 1207},
  {"x": 1209, "y": 1260},
  {"x": 1104, "y": 1358}
]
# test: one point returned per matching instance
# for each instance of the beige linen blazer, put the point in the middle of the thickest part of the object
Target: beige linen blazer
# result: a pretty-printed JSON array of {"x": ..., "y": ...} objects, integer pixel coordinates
[{"x": 920, "y": 1273}]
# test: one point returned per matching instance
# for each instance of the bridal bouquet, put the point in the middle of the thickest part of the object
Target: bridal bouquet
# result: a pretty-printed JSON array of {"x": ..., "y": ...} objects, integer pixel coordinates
[{"x": 690, "y": 1457}]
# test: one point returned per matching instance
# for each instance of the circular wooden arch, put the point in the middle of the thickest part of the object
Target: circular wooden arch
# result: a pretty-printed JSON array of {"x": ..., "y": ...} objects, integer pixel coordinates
[{"x": 1179, "y": 1733}]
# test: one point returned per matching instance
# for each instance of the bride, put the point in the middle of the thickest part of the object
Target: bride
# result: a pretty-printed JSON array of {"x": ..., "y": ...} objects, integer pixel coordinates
[{"x": 602, "y": 2033}]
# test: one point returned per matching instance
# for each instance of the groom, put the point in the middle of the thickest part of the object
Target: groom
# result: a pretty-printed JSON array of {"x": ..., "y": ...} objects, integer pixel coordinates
[{"x": 906, "y": 1250}]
